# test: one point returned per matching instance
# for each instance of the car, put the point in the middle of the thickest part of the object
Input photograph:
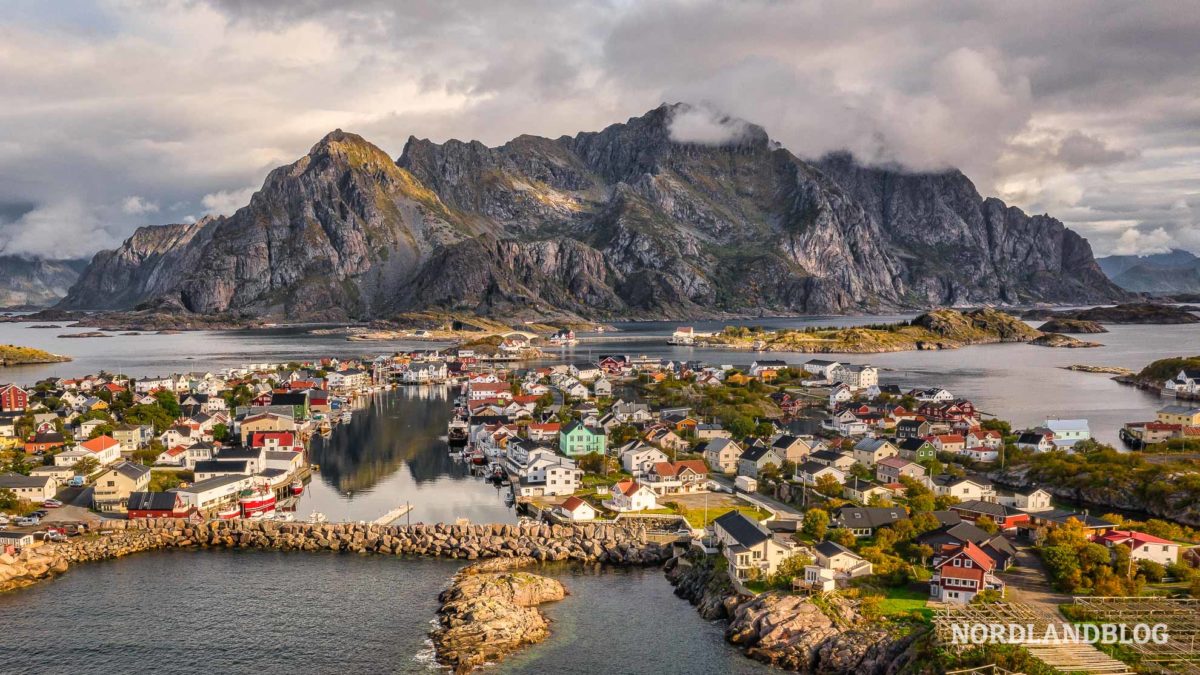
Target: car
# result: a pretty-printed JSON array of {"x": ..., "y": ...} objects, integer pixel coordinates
[
  {"x": 26, "y": 521},
  {"x": 3, "y": 519},
  {"x": 52, "y": 503},
  {"x": 40, "y": 513}
]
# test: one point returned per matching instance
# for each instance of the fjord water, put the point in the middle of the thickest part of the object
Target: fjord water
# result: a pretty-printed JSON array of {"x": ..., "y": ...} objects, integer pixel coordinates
[{"x": 220, "y": 611}]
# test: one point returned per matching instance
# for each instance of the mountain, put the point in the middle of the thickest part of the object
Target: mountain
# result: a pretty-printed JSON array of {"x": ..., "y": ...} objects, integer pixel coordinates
[
  {"x": 36, "y": 282},
  {"x": 624, "y": 222},
  {"x": 1176, "y": 271}
]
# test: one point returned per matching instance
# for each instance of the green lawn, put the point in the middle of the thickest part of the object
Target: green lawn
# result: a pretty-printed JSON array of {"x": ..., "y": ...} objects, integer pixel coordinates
[{"x": 904, "y": 600}]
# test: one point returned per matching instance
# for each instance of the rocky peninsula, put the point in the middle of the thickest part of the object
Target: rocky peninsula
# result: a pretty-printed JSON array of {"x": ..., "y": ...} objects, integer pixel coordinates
[
  {"x": 1072, "y": 326},
  {"x": 490, "y": 610},
  {"x": 1062, "y": 341},
  {"x": 937, "y": 329},
  {"x": 13, "y": 355},
  {"x": 1127, "y": 313},
  {"x": 793, "y": 632}
]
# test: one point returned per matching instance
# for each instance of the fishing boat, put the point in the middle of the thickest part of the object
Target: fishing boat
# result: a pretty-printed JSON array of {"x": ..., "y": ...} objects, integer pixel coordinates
[
  {"x": 297, "y": 487},
  {"x": 456, "y": 433},
  {"x": 257, "y": 500},
  {"x": 478, "y": 457},
  {"x": 229, "y": 512}
]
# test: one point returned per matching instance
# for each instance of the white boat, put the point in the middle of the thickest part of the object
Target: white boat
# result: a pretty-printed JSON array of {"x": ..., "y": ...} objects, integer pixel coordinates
[
  {"x": 317, "y": 517},
  {"x": 284, "y": 517}
]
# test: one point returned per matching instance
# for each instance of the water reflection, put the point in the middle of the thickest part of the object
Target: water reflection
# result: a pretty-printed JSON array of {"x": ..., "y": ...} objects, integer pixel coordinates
[{"x": 394, "y": 452}]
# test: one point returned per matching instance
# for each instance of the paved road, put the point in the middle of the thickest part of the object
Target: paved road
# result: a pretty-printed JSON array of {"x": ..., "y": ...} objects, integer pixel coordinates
[{"x": 762, "y": 501}]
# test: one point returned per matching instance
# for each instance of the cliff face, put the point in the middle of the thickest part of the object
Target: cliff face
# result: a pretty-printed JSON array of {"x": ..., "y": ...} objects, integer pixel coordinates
[
  {"x": 625, "y": 222},
  {"x": 36, "y": 282}
]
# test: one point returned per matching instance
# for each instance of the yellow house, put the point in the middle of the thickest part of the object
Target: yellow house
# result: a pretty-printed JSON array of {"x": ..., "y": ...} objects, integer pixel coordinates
[
  {"x": 737, "y": 378},
  {"x": 1188, "y": 416},
  {"x": 265, "y": 422},
  {"x": 114, "y": 486}
]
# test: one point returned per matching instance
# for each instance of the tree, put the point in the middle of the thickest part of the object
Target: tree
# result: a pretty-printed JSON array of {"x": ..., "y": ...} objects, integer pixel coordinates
[
  {"x": 841, "y": 535},
  {"x": 828, "y": 486},
  {"x": 988, "y": 525},
  {"x": 168, "y": 402},
  {"x": 8, "y": 500},
  {"x": 86, "y": 466},
  {"x": 859, "y": 470},
  {"x": 788, "y": 569},
  {"x": 220, "y": 432},
  {"x": 923, "y": 551},
  {"x": 816, "y": 524},
  {"x": 1153, "y": 571}
]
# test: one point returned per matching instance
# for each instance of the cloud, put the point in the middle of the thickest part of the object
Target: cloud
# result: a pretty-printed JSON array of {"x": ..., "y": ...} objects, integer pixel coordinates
[
  {"x": 60, "y": 230},
  {"x": 137, "y": 206},
  {"x": 706, "y": 126},
  {"x": 1136, "y": 242},
  {"x": 225, "y": 202},
  {"x": 101, "y": 103}
]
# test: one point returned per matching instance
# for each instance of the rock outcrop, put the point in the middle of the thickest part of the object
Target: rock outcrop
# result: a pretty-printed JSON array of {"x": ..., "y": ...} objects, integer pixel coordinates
[
  {"x": 792, "y": 632},
  {"x": 624, "y": 222},
  {"x": 490, "y": 610},
  {"x": 1072, "y": 326},
  {"x": 26, "y": 283},
  {"x": 1062, "y": 341},
  {"x": 1132, "y": 312}
]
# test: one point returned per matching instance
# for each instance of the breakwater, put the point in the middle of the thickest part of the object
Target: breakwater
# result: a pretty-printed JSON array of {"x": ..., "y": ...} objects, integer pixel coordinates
[{"x": 610, "y": 544}]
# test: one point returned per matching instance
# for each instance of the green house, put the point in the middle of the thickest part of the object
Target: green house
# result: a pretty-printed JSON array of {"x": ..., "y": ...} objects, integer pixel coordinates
[
  {"x": 917, "y": 450},
  {"x": 577, "y": 439}
]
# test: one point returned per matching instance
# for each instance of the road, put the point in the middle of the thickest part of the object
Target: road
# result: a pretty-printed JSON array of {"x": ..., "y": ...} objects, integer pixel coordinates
[
  {"x": 1027, "y": 583},
  {"x": 782, "y": 510}
]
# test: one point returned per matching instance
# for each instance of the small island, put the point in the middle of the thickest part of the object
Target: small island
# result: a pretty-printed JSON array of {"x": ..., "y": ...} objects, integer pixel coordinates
[
  {"x": 12, "y": 355},
  {"x": 1128, "y": 313},
  {"x": 1072, "y": 326},
  {"x": 937, "y": 329}
]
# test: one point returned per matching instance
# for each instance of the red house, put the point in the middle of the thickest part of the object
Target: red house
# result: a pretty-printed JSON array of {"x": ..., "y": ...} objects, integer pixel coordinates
[
  {"x": 13, "y": 398},
  {"x": 1006, "y": 517}
]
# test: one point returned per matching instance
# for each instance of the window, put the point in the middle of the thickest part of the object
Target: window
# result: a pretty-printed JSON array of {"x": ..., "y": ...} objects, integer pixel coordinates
[{"x": 957, "y": 562}]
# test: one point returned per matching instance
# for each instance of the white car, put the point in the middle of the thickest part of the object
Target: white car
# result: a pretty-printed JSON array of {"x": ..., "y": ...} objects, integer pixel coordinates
[{"x": 3, "y": 519}]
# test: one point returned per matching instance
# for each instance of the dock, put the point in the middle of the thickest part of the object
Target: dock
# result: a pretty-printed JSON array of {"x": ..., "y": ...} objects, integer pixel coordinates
[{"x": 393, "y": 515}]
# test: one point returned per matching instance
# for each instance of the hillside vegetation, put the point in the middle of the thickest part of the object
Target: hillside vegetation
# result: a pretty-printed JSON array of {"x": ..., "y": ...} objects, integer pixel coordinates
[{"x": 12, "y": 355}]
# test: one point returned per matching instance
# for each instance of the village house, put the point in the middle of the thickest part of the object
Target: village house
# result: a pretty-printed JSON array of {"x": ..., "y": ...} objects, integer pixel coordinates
[
  {"x": 260, "y": 422},
  {"x": 577, "y": 439},
  {"x": 916, "y": 449},
  {"x": 637, "y": 457},
  {"x": 913, "y": 428},
  {"x": 36, "y": 489},
  {"x": 576, "y": 510},
  {"x": 963, "y": 487},
  {"x": 1031, "y": 501},
  {"x": 864, "y": 521},
  {"x": 856, "y": 377},
  {"x": 706, "y": 432},
  {"x": 962, "y": 574},
  {"x": 722, "y": 454},
  {"x": 13, "y": 398},
  {"x": 666, "y": 439},
  {"x": 43, "y": 442},
  {"x": 543, "y": 432},
  {"x": 947, "y": 538},
  {"x": 949, "y": 442},
  {"x": 1185, "y": 415},
  {"x": 1186, "y": 381},
  {"x": 133, "y": 435},
  {"x": 1005, "y": 517},
  {"x": 838, "y": 460},
  {"x": 113, "y": 487},
  {"x": 105, "y": 449},
  {"x": 749, "y": 548},
  {"x": 757, "y": 368},
  {"x": 1037, "y": 440},
  {"x": 756, "y": 459},
  {"x": 154, "y": 505},
  {"x": 839, "y": 393},
  {"x": 1142, "y": 546},
  {"x": 810, "y": 472},
  {"x": 549, "y": 476},
  {"x": 833, "y": 566},
  {"x": 1068, "y": 432},
  {"x": 869, "y": 451},
  {"x": 629, "y": 496},
  {"x": 794, "y": 449},
  {"x": 862, "y": 490},
  {"x": 677, "y": 477},
  {"x": 891, "y": 469},
  {"x": 820, "y": 368},
  {"x": 209, "y": 495}
]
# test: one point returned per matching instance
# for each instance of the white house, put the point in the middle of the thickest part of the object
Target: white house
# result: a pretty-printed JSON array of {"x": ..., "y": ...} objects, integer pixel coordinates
[
  {"x": 1032, "y": 501},
  {"x": 749, "y": 548},
  {"x": 757, "y": 367},
  {"x": 32, "y": 488},
  {"x": 966, "y": 489},
  {"x": 105, "y": 449},
  {"x": 637, "y": 457},
  {"x": 630, "y": 495},
  {"x": 1142, "y": 546},
  {"x": 722, "y": 454},
  {"x": 1069, "y": 432},
  {"x": 840, "y": 393},
  {"x": 576, "y": 510},
  {"x": 857, "y": 377},
  {"x": 820, "y": 368},
  {"x": 834, "y": 565}
]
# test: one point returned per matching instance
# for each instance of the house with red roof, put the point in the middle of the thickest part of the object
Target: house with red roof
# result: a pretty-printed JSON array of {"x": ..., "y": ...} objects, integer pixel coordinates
[
  {"x": 105, "y": 449},
  {"x": 963, "y": 572},
  {"x": 949, "y": 442},
  {"x": 689, "y": 475},
  {"x": 576, "y": 510},
  {"x": 1142, "y": 546},
  {"x": 630, "y": 495}
]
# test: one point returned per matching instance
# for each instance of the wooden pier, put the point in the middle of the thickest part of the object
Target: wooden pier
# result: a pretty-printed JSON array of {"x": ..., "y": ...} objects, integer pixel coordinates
[{"x": 393, "y": 515}]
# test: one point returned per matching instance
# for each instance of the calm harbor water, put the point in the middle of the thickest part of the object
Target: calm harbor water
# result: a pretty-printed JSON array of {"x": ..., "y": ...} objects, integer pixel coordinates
[{"x": 259, "y": 612}]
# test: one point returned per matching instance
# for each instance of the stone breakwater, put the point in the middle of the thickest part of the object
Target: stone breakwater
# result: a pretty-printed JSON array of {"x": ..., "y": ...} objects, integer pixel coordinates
[
  {"x": 610, "y": 544},
  {"x": 490, "y": 610}
]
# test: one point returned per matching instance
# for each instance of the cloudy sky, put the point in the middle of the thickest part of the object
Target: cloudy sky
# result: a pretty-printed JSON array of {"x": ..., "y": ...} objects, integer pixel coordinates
[{"x": 120, "y": 113}]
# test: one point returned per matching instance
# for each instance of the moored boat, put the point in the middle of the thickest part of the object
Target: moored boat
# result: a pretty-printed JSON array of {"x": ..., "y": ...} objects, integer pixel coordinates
[
  {"x": 229, "y": 512},
  {"x": 257, "y": 500},
  {"x": 456, "y": 433},
  {"x": 297, "y": 487},
  {"x": 317, "y": 517}
]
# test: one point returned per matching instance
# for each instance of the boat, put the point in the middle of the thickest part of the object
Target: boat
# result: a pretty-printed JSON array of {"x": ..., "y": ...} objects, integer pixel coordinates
[
  {"x": 256, "y": 500},
  {"x": 456, "y": 433},
  {"x": 284, "y": 517},
  {"x": 229, "y": 512},
  {"x": 297, "y": 487},
  {"x": 317, "y": 517},
  {"x": 346, "y": 416},
  {"x": 478, "y": 457}
]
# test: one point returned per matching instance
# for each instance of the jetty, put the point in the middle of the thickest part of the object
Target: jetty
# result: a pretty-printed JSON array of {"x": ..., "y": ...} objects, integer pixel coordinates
[{"x": 393, "y": 515}]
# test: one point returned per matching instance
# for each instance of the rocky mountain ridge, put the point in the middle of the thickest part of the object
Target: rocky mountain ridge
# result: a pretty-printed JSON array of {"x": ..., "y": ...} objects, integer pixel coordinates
[
  {"x": 622, "y": 223},
  {"x": 27, "y": 283}
]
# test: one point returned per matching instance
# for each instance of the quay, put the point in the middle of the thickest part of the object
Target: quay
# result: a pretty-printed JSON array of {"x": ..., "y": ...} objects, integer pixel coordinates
[{"x": 393, "y": 515}]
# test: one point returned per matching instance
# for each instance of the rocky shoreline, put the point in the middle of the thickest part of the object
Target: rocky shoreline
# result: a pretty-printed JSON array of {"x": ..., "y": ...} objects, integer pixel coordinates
[
  {"x": 792, "y": 632},
  {"x": 490, "y": 611}
]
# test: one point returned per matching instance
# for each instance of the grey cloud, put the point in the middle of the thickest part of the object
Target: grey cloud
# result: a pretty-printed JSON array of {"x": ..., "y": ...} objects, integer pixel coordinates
[{"x": 1086, "y": 111}]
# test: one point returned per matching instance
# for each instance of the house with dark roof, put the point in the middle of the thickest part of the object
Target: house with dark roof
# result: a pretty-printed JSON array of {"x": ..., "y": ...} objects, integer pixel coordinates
[
  {"x": 863, "y": 521},
  {"x": 834, "y": 565},
  {"x": 963, "y": 573},
  {"x": 949, "y": 537},
  {"x": 756, "y": 458},
  {"x": 113, "y": 487},
  {"x": 1005, "y": 517},
  {"x": 750, "y": 548},
  {"x": 154, "y": 505}
]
